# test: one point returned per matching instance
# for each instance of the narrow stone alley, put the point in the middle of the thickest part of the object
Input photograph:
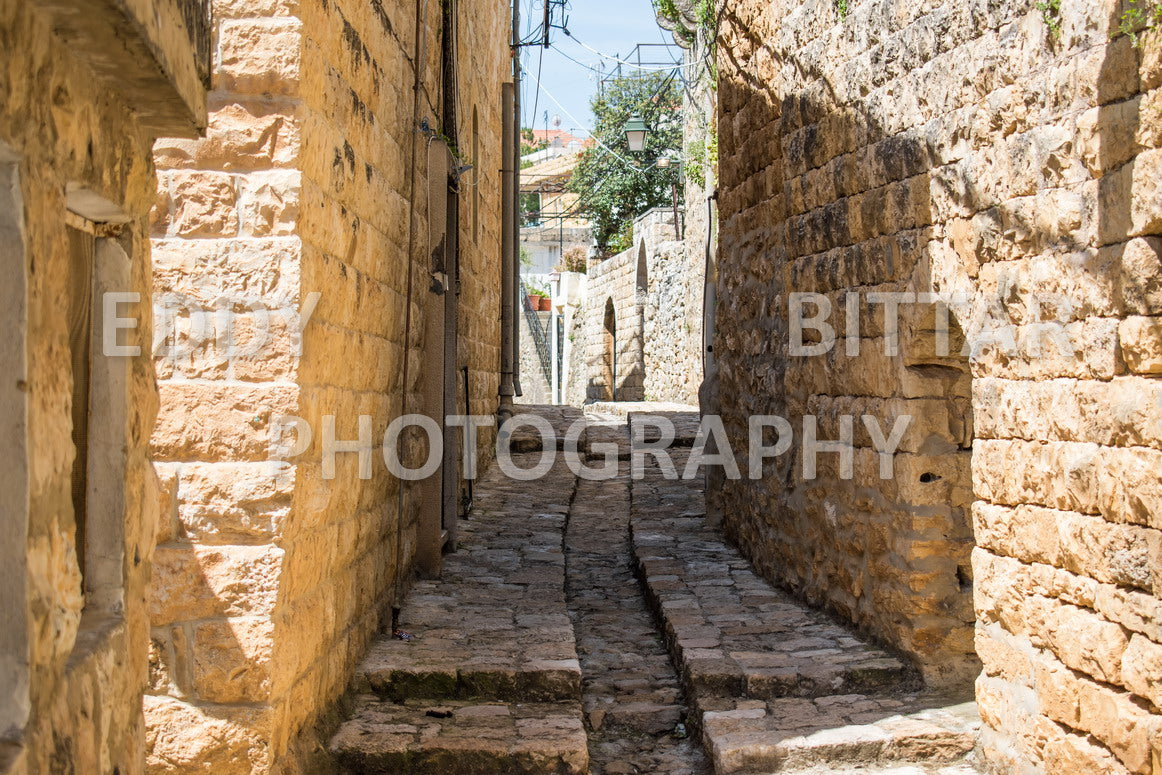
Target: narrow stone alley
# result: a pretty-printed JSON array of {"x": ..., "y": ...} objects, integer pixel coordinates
[
  {"x": 601, "y": 626},
  {"x": 275, "y": 270}
]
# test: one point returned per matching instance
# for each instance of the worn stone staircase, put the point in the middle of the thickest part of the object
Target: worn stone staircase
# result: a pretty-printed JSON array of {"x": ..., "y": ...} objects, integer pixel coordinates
[
  {"x": 487, "y": 679},
  {"x": 777, "y": 686},
  {"x": 482, "y": 677}
]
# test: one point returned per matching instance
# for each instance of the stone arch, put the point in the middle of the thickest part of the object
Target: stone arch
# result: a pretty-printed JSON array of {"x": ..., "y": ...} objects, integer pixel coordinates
[
  {"x": 609, "y": 351},
  {"x": 14, "y": 698},
  {"x": 642, "y": 280}
]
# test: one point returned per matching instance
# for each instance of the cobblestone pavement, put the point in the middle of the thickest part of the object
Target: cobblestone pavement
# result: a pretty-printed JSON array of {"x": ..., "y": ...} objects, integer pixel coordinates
[
  {"x": 631, "y": 693},
  {"x": 776, "y": 685},
  {"x": 487, "y": 678},
  {"x": 496, "y": 619},
  {"x": 540, "y": 651}
]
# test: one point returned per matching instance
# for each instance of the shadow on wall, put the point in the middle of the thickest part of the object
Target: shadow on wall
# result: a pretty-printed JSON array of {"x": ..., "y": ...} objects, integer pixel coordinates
[
  {"x": 620, "y": 373},
  {"x": 889, "y": 555},
  {"x": 250, "y": 633},
  {"x": 994, "y": 189}
]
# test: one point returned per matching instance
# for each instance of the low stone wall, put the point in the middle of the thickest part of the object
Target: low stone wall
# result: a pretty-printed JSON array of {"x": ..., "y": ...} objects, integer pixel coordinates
[
  {"x": 614, "y": 362},
  {"x": 1005, "y": 160},
  {"x": 655, "y": 295},
  {"x": 673, "y": 322},
  {"x": 535, "y": 389}
]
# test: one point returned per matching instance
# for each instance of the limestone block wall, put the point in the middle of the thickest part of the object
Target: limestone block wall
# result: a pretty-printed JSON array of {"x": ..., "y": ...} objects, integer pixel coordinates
[
  {"x": 79, "y": 111},
  {"x": 298, "y": 217},
  {"x": 969, "y": 151},
  {"x": 656, "y": 293},
  {"x": 673, "y": 323},
  {"x": 576, "y": 384},
  {"x": 612, "y": 330},
  {"x": 535, "y": 389},
  {"x": 674, "y": 314}
]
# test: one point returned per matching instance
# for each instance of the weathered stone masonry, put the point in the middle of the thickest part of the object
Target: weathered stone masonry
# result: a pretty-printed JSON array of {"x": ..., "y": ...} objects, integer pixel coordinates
[
  {"x": 960, "y": 149},
  {"x": 271, "y": 579},
  {"x": 655, "y": 292},
  {"x": 86, "y": 86}
]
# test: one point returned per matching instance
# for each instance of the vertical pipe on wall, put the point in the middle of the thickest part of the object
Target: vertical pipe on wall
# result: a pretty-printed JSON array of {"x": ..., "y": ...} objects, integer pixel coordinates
[
  {"x": 507, "y": 238},
  {"x": 515, "y": 214},
  {"x": 418, "y": 55}
]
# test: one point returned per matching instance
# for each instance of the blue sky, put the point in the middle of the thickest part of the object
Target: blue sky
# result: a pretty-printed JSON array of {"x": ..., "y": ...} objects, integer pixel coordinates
[{"x": 610, "y": 26}]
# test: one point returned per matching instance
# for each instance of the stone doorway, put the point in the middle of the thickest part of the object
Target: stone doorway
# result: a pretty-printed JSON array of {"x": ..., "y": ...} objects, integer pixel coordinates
[{"x": 609, "y": 352}]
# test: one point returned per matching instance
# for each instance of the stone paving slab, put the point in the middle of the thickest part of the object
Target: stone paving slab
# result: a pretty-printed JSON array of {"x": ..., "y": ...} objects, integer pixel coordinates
[
  {"x": 462, "y": 738},
  {"x": 631, "y": 692},
  {"x": 496, "y": 624},
  {"x": 798, "y": 733},
  {"x": 622, "y": 409},
  {"x": 526, "y": 438},
  {"x": 684, "y": 421},
  {"x": 894, "y": 769},
  {"x": 614, "y": 426},
  {"x": 735, "y": 635},
  {"x": 776, "y": 685},
  {"x": 607, "y": 430}
]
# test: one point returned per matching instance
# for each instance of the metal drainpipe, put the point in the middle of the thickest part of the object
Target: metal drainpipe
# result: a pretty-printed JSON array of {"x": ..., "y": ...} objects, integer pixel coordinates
[
  {"x": 516, "y": 197},
  {"x": 507, "y": 238}
]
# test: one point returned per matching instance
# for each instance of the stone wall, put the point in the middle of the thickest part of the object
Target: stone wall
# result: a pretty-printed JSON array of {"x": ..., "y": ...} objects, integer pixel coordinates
[
  {"x": 612, "y": 330},
  {"x": 970, "y": 151},
  {"x": 656, "y": 297},
  {"x": 577, "y": 370},
  {"x": 85, "y": 89},
  {"x": 310, "y": 198},
  {"x": 673, "y": 323},
  {"x": 676, "y": 333}
]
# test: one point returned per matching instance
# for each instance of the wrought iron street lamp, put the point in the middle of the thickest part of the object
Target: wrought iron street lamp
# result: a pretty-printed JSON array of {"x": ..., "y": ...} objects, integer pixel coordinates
[{"x": 635, "y": 133}]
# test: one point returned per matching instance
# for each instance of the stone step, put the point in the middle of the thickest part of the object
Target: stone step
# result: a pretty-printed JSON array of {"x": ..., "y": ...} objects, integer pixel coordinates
[
  {"x": 495, "y": 626},
  {"x": 462, "y": 738},
  {"x": 958, "y": 768},
  {"x": 776, "y": 685},
  {"x": 438, "y": 665},
  {"x": 733, "y": 635},
  {"x": 527, "y": 438},
  {"x": 913, "y": 732},
  {"x": 481, "y": 674}
]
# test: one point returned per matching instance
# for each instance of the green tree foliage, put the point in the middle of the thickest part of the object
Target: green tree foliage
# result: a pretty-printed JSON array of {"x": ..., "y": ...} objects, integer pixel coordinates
[
  {"x": 613, "y": 192},
  {"x": 530, "y": 208},
  {"x": 529, "y": 142}
]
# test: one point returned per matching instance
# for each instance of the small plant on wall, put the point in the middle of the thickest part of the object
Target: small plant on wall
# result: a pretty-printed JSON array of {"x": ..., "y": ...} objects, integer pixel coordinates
[
  {"x": 1051, "y": 15},
  {"x": 1140, "y": 16},
  {"x": 575, "y": 259},
  {"x": 843, "y": 7}
]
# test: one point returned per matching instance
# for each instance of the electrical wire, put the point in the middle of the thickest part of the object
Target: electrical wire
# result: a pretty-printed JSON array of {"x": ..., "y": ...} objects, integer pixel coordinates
[
  {"x": 537, "y": 96},
  {"x": 627, "y": 162},
  {"x": 659, "y": 68}
]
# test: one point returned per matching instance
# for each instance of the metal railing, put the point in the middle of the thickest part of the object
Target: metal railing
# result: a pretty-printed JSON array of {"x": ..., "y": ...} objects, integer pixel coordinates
[{"x": 540, "y": 336}]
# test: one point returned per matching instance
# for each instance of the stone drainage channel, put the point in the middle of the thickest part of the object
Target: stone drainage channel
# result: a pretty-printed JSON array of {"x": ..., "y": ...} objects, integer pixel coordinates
[
  {"x": 601, "y": 627},
  {"x": 634, "y": 709}
]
